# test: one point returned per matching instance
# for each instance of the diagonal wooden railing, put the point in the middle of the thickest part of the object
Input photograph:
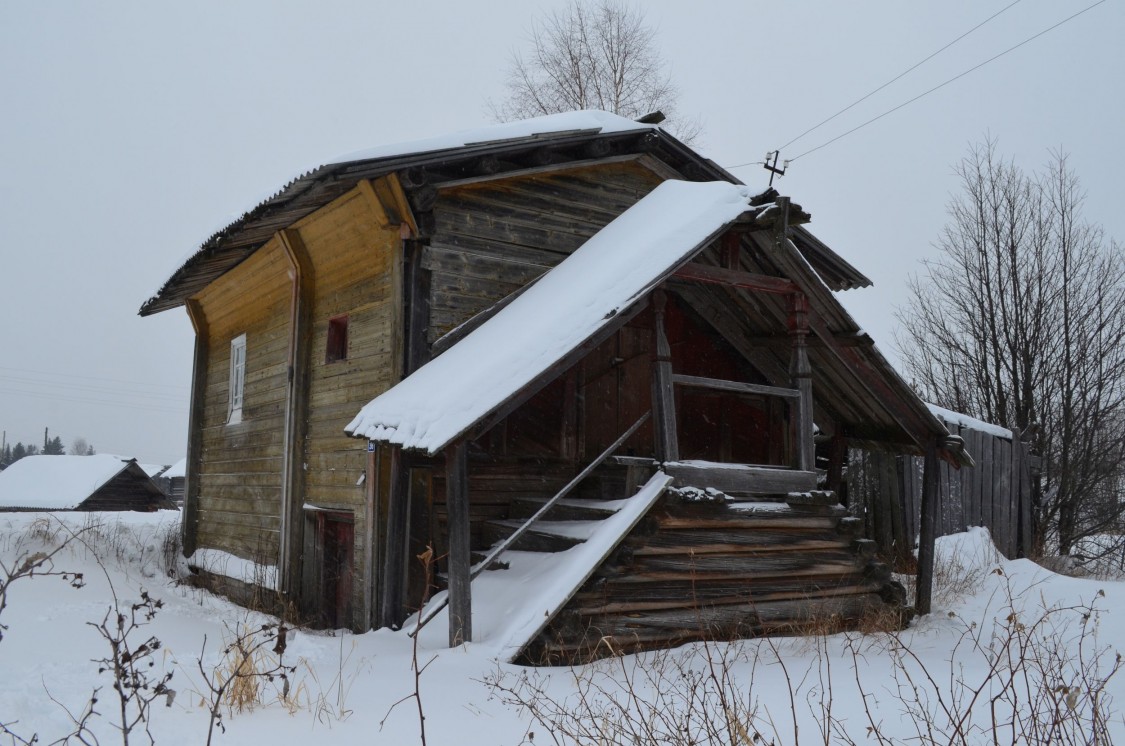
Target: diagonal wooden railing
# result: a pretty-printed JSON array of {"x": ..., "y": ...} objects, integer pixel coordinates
[{"x": 507, "y": 543}]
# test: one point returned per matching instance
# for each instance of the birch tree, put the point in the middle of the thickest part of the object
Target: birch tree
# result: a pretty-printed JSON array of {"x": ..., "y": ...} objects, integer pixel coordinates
[
  {"x": 592, "y": 56},
  {"x": 1020, "y": 321}
]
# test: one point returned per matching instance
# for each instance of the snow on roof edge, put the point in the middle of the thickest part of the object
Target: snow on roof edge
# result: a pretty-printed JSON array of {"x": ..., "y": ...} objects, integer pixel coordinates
[
  {"x": 589, "y": 120},
  {"x": 972, "y": 423}
]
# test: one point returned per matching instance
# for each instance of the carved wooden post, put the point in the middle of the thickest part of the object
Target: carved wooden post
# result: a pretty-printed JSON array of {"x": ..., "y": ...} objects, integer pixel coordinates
[
  {"x": 663, "y": 395},
  {"x": 460, "y": 560},
  {"x": 800, "y": 374},
  {"x": 928, "y": 530}
]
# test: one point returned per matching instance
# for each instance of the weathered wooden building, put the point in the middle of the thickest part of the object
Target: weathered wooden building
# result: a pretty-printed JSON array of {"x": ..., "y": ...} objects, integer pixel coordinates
[
  {"x": 508, "y": 310},
  {"x": 57, "y": 483}
]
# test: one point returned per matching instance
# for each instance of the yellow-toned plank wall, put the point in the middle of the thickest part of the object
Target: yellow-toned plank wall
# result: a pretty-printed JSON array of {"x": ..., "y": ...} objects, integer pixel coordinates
[
  {"x": 355, "y": 263},
  {"x": 240, "y": 478}
]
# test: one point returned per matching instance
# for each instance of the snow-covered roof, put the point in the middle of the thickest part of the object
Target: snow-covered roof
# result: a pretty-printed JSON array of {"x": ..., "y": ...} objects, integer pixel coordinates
[
  {"x": 178, "y": 469},
  {"x": 551, "y": 124},
  {"x": 56, "y": 482},
  {"x": 569, "y": 304},
  {"x": 972, "y": 423}
]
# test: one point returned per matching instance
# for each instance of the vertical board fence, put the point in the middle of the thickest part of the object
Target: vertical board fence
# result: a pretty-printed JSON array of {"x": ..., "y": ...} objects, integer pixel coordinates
[{"x": 885, "y": 490}]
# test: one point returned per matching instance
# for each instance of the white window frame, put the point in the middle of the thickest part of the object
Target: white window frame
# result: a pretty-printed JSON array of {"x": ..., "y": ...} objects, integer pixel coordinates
[{"x": 237, "y": 379}]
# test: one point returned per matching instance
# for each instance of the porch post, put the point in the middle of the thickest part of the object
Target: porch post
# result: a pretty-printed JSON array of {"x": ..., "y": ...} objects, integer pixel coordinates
[
  {"x": 393, "y": 603},
  {"x": 928, "y": 530},
  {"x": 663, "y": 395},
  {"x": 460, "y": 560},
  {"x": 800, "y": 374}
]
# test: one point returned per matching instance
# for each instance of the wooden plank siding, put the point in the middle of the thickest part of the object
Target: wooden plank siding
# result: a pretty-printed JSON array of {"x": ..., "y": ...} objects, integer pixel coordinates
[
  {"x": 240, "y": 474},
  {"x": 355, "y": 263},
  {"x": 356, "y": 259}
]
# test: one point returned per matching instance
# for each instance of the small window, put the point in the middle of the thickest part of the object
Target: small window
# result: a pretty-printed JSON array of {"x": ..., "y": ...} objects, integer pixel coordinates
[
  {"x": 237, "y": 378},
  {"x": 337, "y": 348}
]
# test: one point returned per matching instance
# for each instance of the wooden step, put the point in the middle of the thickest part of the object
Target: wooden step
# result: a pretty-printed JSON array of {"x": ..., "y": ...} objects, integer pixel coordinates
[
  {"x": 543, "y": 536},
  {"x": 564, "y": 510}
]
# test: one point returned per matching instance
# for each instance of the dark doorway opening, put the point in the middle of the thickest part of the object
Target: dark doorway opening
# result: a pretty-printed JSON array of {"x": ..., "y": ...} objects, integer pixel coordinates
[{"x": 335, "y": 544}]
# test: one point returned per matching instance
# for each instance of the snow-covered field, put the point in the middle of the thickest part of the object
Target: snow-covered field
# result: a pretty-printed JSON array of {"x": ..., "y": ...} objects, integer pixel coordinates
[{"x": 1006, "y": 637}]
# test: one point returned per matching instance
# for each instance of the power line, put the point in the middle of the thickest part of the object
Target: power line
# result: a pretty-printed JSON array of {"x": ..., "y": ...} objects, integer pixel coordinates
[
  {"x": 931, "y": 90},
  {"x": 151, "y": 407},
  {"x": 110, "y": 390},
  {"x": 899, "y": 76},
  {"x": 954, "y": 78},
  {"x": 57, "y": 374}
]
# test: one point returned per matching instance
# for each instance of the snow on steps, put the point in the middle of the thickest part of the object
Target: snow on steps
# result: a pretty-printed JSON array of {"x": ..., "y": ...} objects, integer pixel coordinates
[{"x": 510, "y": 608}]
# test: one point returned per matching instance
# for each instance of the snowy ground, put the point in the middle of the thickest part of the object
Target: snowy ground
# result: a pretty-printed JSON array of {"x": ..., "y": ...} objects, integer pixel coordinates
[{"x": 990, "y": 618}]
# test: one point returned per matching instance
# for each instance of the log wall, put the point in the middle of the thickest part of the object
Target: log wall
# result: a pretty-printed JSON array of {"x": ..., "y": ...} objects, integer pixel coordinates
[
  {"x": 491, "y": 238},
  {"x": 711, "y": 571}
]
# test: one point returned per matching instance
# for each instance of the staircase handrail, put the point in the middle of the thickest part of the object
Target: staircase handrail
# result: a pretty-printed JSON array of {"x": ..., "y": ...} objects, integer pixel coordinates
[{"x": 504, "y": 545}]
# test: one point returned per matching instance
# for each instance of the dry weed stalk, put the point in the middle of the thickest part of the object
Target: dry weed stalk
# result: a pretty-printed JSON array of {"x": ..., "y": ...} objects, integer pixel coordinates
[
  {"x": 427, "y": 559},
  {"x": 236, "y": 682},
  {"x": 1033, "y": 678}
]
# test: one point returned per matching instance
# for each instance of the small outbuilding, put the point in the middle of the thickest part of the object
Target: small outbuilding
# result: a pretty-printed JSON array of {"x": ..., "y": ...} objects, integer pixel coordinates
[{"x": 100, "y": 482}]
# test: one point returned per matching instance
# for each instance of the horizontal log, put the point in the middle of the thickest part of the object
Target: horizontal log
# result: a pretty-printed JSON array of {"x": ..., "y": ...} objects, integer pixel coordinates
[
  {"x": 737, "y": 478},
  {"x": 736, "y": 278},
  {"x": 736, "y": 386},
  {"x": 625, "y": 605}
]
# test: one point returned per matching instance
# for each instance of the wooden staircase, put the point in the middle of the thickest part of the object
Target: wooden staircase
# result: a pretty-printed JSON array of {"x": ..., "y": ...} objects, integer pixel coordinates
[{"x": 707, "y": 566}]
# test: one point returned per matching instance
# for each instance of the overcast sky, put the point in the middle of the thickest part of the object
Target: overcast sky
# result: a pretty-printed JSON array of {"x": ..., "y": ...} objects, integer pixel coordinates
[{"x": 129, "y": 132}]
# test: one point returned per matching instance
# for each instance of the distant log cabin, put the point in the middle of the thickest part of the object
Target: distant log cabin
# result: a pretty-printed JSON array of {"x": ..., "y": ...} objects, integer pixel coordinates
[
  {"x": 571, "y": 334},
  {"x": 58, "y": 483}
]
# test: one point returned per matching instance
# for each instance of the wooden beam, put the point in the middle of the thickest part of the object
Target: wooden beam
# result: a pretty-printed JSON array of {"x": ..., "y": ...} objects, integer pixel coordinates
[
  {"x": 735, "y": 278},
  {"x": 536, "y": 170},
  {"x": 291, "y": 523},
  {"x": 800, "y": 373},
  {"x": 927, "y": 533},
  {"x": 393, "y": 603},
  {"x": 758, "y": 480},
  {"x": 460, "y": 559},
  {"x": 663, "y": 393},
  {"x": 190, "y": 522},
  {"x": 416, "y": 292},
  {"x": 370, "y": 544},
  {"x": 736, "y": 386}
]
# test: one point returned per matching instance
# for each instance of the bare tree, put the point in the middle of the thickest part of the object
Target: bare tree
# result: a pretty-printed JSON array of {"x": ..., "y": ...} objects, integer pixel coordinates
[
  {"x": 1021, "y": 322},
  {"x": 599, "y": 56},
  {"x": 80, "y": 447}
]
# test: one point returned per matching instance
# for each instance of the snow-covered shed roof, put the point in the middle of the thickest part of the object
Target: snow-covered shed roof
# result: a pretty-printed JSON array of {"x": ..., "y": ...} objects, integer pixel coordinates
[
  {"x": 620, "y": 264},
  {"x": 178, "y": 469},
  {"x": 56, "y": 482}
]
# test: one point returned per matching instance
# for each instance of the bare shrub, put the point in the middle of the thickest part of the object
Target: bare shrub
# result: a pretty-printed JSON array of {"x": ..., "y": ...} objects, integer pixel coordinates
[
  {"x": 1036, "y": 677},
  {"x": 248, "y": 662}
]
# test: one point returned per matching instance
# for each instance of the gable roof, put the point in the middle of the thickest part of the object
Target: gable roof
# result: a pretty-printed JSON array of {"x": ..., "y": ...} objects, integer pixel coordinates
[
  {"x": 567, "y": 136},
  {"x": 514, "y": 352},
  {"x": 57, "y": 482},
  {"x": 444, "y": 398}
]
